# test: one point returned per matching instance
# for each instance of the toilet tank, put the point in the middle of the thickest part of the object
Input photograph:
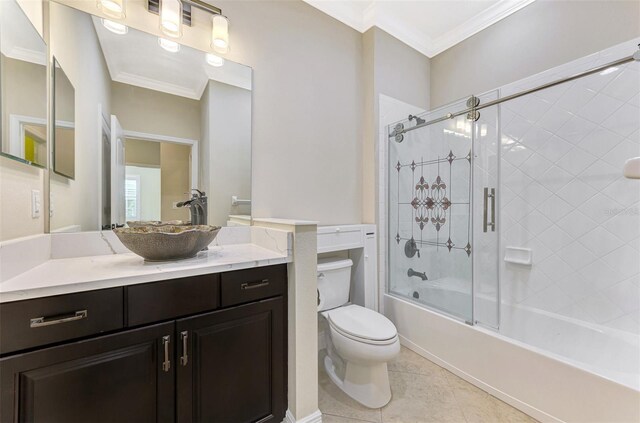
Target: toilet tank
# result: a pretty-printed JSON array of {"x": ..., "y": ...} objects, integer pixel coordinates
[{"x": 334, "y": 282}]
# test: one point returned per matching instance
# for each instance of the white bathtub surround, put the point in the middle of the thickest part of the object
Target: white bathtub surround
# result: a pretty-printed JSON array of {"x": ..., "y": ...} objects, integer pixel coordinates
[
  {"x": 527, "y": 378},
  {"x": 21, "y": 254},
  {"x": 564, "y": 195},
  {"x": 567, "y": 346},
  {"x": 302, "y": 318}
]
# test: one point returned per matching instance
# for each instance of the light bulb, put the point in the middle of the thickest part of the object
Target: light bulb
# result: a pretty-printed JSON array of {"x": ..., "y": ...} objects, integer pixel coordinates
[
  {"x": 112, "y": 8},
  {"x": 171, "y": 18},
  {"x": 170, "y": 46},
  {"x": 220, "y": 34},
  {"x": 115, "y": 27},
  {"x": 214, "y": 60}
]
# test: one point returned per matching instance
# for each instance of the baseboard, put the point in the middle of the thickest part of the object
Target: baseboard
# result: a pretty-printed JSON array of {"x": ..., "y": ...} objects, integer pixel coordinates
[
  {"x": 315, "y": 417},
  {"x": 514, "y": 402}
]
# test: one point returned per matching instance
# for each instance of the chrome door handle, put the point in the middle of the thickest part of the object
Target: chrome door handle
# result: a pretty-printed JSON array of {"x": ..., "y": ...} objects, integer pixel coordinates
[
  {"x": 254, "y": 285},
  {"x": 166, "y": 364},
  {"x": 39, "y": 322},
  {"x": 489, "y": 195},
  {"x": 184, "y": 359}
]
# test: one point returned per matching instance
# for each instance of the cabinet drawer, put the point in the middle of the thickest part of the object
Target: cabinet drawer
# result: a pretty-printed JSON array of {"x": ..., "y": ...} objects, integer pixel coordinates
[
  {"x": 157, "y": 301},
  {"x": 254, "y": 284},
  {"x": 41, "y": 321},
  {"x": 337, "y": 239}
]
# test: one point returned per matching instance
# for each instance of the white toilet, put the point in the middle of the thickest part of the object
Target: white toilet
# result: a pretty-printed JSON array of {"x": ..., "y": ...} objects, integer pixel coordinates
[{"x": 359, "y": 341}]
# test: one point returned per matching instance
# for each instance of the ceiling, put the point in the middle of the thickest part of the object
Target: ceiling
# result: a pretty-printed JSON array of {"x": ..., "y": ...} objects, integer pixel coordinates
[
  {"x": 429, "y": 26},
  {"x": 18, "y": 38},
  {"x": 137, "y": 59}
]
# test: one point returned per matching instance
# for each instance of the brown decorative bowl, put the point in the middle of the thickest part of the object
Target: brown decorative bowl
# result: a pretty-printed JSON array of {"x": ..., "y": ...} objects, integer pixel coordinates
[{"x": 165, "y": 243}]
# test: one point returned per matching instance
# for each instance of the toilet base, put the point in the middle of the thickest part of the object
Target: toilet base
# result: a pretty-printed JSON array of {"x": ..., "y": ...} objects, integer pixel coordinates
[{"x": 367, "y": 384}]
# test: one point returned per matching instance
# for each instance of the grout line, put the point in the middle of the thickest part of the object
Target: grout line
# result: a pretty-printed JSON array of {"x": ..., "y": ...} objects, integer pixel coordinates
[{"x": 350, "y": 418}]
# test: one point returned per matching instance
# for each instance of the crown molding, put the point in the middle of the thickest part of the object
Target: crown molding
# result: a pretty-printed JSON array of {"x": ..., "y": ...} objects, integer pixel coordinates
[
  {"x": 153, "y": 84},
  {"x": 27, "y": 55},
  {"x": 472, "y": 26},
  {"x": 363, "y": 18}
]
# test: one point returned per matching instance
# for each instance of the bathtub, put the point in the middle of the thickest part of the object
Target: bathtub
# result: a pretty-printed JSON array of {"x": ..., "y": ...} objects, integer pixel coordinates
[{"x": 552, "y": 367}]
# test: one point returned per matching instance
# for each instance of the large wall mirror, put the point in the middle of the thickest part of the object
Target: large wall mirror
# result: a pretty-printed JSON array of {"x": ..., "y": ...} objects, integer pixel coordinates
[
  {"x": 23, "y": 73},
  {"x": 153, "y": 120},
  {"x": 64, "y": 148}
]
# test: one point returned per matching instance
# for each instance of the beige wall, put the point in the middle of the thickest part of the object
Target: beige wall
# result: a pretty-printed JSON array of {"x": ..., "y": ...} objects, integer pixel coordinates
[
  {"x": 307, "y": 109},
  {"x": 174, "y": 179},
  {"x": 391, "y": 68},
  {"x": 16, "y": 182},
  {"x": 24, "y": 92},
  {"x": 226, "y": 149},
  {"x": 74, "y": 43},
  {"x": 142, "y": 153},
  {"x": 143, "y": 110},
  {"x": 18, "y": 179},
  {"x": 307, "y": 103},
  {"x": 540, "y": 36}
]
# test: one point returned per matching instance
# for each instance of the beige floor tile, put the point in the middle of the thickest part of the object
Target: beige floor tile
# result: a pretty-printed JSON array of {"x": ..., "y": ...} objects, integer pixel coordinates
[
  {"x": 421, "y": 398},
  {"x": 422, "y": 392},
  {"x": 328, "y": 418},
  {"x": 480, "y": 407},
  {"x": 331, "y": 400},
  {"x": 409, "y": 362}
]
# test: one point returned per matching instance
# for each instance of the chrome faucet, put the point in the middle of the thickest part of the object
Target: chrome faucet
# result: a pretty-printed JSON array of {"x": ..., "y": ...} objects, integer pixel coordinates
[
  {"x": 422, "y": 275},
  {"x": 197, "y": 206}
]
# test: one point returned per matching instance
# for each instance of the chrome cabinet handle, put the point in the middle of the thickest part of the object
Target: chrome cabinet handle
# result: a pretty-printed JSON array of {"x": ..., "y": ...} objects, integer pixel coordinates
[
  {"x": 254, "y": 285},
  {"x": 166, "y": 364},
  {"x": 39, "y": 322},
  {"x": 184, "y": 359},
  {"x": 489, "y": 195}
]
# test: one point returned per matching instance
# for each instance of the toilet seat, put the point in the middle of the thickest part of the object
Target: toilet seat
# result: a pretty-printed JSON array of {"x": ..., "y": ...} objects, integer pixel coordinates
[{"x": 362, "y": 325}]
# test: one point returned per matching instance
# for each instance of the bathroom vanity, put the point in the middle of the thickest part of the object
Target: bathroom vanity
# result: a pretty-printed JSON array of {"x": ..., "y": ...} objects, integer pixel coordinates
[{"x": 210, "y": 347}]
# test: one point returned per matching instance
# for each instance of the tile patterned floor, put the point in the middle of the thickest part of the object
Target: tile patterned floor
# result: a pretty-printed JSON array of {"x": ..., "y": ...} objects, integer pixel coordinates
[{"x": 422, "y": 393}]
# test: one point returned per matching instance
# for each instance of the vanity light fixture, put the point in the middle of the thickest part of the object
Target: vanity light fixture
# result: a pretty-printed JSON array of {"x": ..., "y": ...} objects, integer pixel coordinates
[
  {"x": 169, "y": 45},
  {"x": 175, "y": 13},
  {"x": 171, "y": 18},
  {"x": 112, "y": 8},
  {"x": 215, "y": 61},
  {"x": 115, "y": 27},
  {"x": 220, "y": 33}
]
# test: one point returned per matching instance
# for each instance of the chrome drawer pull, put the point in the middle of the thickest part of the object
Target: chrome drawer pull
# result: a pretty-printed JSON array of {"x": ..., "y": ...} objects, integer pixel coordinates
[
  {"x": 185, "y": 356},
  {"x": 254, "y": 285},
  {"x": 39, "y": 322},
  {"x": 166, "y": 364}
]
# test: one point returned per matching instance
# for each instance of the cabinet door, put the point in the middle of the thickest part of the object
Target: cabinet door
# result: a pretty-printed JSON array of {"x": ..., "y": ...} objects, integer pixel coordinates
[
  {"x": 232, "y": 365},
  {"x": 114, "y": 378}
]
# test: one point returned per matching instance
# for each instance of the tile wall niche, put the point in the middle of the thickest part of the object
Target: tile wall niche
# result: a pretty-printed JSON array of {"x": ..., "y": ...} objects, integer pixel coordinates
[{"x": 563, "y": 194}]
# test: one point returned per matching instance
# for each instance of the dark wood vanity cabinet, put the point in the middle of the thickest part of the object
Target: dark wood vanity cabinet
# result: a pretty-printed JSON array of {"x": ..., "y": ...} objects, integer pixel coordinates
[
  {"x": 221, "y": 365},
  {"x": 113, "y": 378},
  {"x": 231, "y": 365}
]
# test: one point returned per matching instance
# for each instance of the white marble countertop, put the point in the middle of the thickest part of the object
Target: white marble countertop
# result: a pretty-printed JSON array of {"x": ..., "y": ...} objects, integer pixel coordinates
[{"x": 67, "y": 275}]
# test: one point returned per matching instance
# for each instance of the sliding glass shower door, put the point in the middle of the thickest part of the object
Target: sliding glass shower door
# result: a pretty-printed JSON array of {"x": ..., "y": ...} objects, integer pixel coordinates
[
  {"x": 438, "y": 213},
  {"x": 430, "y": 227}
]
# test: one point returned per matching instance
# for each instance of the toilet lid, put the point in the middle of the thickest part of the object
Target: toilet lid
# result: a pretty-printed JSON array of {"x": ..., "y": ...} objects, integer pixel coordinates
[{"x": 362, "y": 323}]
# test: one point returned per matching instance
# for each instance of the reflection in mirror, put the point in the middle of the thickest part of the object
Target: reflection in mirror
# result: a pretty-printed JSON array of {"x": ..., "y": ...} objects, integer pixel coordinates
[
  {"x": 151, "y": 127},
  {"x": 23, "y": 72},
  {"x": 64, "y": 145}
]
